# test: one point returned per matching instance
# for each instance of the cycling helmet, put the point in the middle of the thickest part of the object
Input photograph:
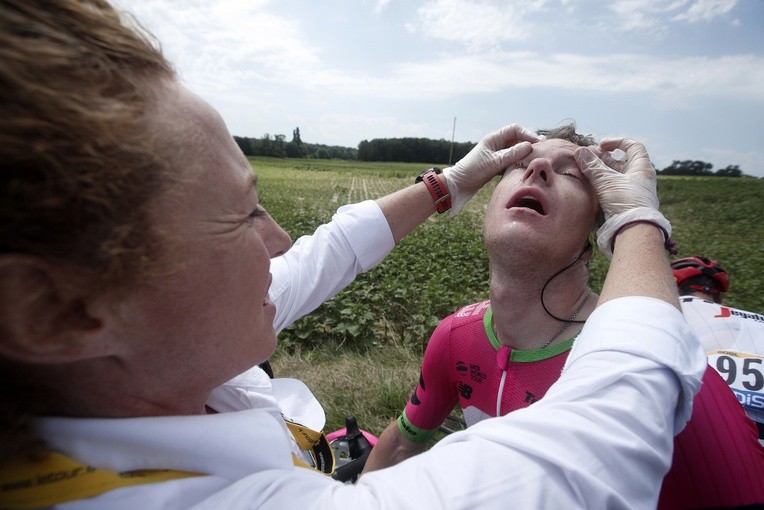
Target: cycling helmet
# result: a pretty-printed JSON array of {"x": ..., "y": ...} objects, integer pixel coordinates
[{"x": 701, "y": 274}]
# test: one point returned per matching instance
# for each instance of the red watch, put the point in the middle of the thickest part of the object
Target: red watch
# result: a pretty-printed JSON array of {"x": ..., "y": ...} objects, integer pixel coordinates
[{"x": 437, "y": 188}]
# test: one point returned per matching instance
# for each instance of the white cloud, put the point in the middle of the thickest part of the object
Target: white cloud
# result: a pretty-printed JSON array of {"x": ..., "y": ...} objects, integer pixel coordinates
[
  {"x": 656, "y": 15},
  {"x": 222, "y": 46},
  {"x": 381, "y": 5},
  {"x": 382, "y": 126},
  {"x": 643, "y": 14},
  {"x": 475, "y": 23},
  {"x": 219, "y": 45},
  {"x": 737, "y": 77},
  {"x": 706, "y": 10}
]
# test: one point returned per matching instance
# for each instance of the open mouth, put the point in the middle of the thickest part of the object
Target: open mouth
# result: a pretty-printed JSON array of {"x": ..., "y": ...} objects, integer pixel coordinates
[{"x": 530, "y": 203}]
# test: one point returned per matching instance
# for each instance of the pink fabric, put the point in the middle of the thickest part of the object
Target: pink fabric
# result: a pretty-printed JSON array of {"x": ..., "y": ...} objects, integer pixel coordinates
[
  {"x": 718, "y": 461},
  {"x": 331, "y": 436},
  {"x": 461, "y": 365}
]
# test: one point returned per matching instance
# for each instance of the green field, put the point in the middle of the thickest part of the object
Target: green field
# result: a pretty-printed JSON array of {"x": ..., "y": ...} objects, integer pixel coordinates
[{"x": 360, "y": 352}]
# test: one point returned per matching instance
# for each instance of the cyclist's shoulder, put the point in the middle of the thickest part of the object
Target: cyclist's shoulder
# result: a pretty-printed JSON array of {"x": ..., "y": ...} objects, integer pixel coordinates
[
  {"x": 464, "y": 325},
  {"x": 471, "y": 313}
]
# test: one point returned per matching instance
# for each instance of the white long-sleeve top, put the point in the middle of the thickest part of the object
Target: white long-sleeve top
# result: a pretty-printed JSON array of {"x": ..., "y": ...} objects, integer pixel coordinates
[
  {"x": 312, "y": 271},
  {"x": 601, "y": 438},
  {"x": 318, "y": 266}
]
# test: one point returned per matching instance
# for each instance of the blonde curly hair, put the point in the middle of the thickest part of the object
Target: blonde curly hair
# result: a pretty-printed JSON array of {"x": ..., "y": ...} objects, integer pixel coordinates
[{"x": 78, "y": 160}]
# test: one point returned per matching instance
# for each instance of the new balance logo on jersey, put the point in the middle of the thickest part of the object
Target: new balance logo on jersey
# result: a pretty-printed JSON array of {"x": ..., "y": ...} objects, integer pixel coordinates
[{"x": 465, "y": 390}]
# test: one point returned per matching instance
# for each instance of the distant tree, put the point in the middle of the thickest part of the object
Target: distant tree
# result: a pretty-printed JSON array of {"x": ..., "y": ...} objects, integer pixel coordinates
[
  {"x": 279, "y": 146},
  {"x": 416, "y": 150},
  {"x": 266, "y": 145},
  {"x": 367, "y": 151},
  {"x": 276, "y": 146},
  {"x": 295, "y": 148},
  {"x": 245, "y": 144},
  {"x": 688, "y": 167},
  {"x": 730, "y": 171},
  {"x": 319, "y": 151}
]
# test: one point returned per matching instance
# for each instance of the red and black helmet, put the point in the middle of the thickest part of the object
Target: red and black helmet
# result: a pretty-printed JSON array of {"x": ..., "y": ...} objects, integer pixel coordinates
[{"x": 688, "y": 270}]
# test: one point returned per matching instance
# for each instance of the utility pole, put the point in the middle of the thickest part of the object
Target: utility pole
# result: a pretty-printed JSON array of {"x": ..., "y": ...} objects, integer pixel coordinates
[{"x": 451, "y": 152}]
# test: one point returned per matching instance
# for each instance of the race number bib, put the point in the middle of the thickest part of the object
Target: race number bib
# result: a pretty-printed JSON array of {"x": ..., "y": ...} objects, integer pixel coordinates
[{"x": 744, "y": 373}]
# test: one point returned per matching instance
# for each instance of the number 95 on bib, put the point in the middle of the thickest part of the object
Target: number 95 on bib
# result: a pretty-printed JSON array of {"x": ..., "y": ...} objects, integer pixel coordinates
[{"x": 743, "y": 373}]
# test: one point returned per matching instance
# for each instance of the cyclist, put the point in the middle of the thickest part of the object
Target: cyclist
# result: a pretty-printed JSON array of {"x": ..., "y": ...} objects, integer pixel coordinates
[
  {"x": 503, "y": 355},
  {"x": 700, "y": 277},
  {"x": 733, "y": 338}
]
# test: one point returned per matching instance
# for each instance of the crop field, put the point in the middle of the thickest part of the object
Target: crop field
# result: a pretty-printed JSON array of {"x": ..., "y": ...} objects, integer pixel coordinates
[{"x": 360, "y": 352}]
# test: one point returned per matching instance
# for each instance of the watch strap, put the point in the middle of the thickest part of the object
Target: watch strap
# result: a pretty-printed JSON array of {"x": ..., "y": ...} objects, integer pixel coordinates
[{"x": 438, "y": 189}]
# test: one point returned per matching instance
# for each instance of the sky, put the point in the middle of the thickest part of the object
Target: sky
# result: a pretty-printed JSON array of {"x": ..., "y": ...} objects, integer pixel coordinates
[{"x": 684, "y": 77}]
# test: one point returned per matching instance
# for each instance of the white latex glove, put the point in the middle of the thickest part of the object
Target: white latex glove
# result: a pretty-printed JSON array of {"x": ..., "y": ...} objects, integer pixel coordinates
[
  {"x": 626, "y": 189},
  {"x": 487, "y": 159}
]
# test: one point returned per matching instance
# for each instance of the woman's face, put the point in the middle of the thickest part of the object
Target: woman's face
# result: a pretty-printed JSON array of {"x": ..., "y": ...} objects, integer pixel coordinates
[{"x": 211, "y": 318}]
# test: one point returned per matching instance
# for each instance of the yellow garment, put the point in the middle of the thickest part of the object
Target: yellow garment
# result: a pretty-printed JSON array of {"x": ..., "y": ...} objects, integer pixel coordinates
[
  {"x": 58, "y": 479},
  {"x": 314, "y": 442}
]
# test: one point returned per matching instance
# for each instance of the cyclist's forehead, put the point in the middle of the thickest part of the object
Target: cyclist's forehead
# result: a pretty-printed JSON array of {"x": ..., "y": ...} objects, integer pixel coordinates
[
  {"x": 556, "y": 150},
  {"x": 554, "y": 147}
]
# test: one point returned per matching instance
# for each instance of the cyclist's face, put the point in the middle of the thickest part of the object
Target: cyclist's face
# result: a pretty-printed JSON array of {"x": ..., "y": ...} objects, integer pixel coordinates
[{"x": 543, "y": 201}]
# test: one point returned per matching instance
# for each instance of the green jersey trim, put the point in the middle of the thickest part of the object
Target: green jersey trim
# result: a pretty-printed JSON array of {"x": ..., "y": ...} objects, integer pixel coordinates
[
  {"x": 413, "y": 433},
  {"x": 519, "y": 356}
]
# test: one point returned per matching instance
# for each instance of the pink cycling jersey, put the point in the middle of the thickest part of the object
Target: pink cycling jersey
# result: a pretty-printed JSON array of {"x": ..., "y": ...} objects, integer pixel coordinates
[
  {"x": 460, "y": 365},
  {"x": 718, "y": 461}
]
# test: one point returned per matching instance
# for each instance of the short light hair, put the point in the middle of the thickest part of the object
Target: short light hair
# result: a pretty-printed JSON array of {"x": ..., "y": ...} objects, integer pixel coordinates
[{"x": 568, "y": 132}]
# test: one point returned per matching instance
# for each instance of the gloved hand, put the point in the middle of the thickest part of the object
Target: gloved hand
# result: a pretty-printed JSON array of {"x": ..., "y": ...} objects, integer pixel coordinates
[
  {"x": 626, "y": 189},
  {"x": 492, "y": 155}
]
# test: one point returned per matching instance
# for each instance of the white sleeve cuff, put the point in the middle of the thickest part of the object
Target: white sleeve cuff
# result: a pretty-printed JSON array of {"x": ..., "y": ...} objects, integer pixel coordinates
[{"x": 664, "y": 337}]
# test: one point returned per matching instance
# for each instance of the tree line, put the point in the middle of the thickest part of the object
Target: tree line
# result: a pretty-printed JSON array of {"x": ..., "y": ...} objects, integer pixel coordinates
[
  {"x": 278, "y": 147},
  {"x": 412, "y": 150},
  {"x": 690, "y": 167},
  {"x": 409, "y": 150},
  {"x": 419, "y": 150}
]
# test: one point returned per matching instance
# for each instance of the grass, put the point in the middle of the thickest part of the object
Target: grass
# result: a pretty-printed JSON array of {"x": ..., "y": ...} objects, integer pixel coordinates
[
  {"x": 360, "y": 352},
  {"x": 373, "y": 386}
]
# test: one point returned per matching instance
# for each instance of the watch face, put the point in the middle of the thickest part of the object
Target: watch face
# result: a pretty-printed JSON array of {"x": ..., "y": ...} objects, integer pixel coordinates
[{"x": 420, "y": 177}]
